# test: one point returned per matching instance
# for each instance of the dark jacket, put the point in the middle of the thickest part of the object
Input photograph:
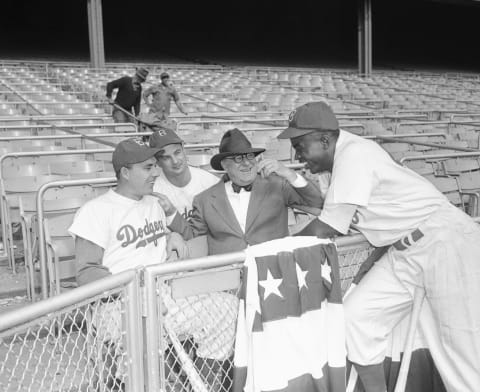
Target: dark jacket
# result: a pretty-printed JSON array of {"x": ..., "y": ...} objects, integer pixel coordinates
[
  {"x": 267, "y": 216},
  {"x": 127, "y": 97}
]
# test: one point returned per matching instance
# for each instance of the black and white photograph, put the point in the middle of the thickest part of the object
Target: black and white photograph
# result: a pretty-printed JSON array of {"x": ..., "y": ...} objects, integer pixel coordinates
[{"x": 246, "y": 196}]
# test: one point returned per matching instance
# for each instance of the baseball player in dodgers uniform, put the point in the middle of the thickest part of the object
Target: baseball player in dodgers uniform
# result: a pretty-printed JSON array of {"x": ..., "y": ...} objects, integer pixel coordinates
[
  {"x": 433, "y": 245},
  {"x": 125, "y": 228}
]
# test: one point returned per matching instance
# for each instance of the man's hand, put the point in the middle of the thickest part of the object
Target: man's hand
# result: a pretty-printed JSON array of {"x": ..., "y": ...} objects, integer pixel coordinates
[
  {"x": 176, "y": 243},
  {"x": 269, "y": 166},
  {"x": 165, "y": 203},
  {"x": 110, "y": 100}
]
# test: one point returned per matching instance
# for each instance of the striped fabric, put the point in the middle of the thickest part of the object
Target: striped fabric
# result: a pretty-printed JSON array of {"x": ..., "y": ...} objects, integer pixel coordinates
[{"x": 290, "y": 334}]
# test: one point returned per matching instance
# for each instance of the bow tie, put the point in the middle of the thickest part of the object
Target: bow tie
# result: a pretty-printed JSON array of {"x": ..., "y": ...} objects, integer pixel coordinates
[{"x": 237, "y": 188}]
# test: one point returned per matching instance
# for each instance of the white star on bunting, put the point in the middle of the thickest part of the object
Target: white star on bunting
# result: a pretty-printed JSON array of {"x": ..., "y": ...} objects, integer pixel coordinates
[
  {"x": 270, "y": 285},
  {"x": 326, "y": 272},
  {"x": 301, "y": 275}
]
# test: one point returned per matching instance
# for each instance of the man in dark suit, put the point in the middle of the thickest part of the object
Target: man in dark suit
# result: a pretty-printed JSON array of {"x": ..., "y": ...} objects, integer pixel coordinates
[{"x": 246, "y": 208}]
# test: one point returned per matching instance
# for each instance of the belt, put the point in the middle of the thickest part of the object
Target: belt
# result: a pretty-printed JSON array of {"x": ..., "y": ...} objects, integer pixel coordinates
[{"x": 408, "y": 240}]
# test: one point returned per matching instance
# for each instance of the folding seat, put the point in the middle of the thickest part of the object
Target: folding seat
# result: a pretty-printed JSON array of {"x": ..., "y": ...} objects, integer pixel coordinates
[
  {"x": 10, "y": 190},
  {"x": 395, "y": 147},
  {"x": 316, "y": 81},
  {"x": 304, "y": 81},
  {"x": 287, "y": 101},
  {"x": 245, "y": 93},
  {"x": 29, "y": 170},
  {"x": 60, "y": 249},
  {"x": 16, "y": 132},
  {"x": 199, "y": 160},
  {"x": 43, "y": 148},
  {"x": 77, "y": 167},
  {"x": 55, "y": 200},
  {"x": 459, "y": 165},
  {"x": 449, "y": 187},
  {"x": 303, "y": 99},
  {"x": 469, "y": 185}
]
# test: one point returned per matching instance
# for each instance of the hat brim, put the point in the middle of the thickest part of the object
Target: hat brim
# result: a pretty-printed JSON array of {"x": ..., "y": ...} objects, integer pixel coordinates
[
  {"x": 291, "y": 132},
  {"x": 216, "y": 160},
  {"x": 147, "y": 154}
]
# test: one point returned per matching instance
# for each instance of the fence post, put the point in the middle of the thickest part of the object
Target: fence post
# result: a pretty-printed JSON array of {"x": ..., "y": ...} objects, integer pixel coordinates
[
  {"x": 134, "y": 335},
  {"x": 151, "y": 333}
]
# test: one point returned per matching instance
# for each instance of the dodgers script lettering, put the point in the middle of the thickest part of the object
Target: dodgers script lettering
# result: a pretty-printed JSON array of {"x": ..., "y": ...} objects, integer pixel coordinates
[{"x": 152, "y": 231}]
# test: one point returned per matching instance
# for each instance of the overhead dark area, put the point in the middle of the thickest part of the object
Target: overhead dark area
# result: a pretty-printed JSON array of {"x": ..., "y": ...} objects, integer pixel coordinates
[{"x": 426, "y": 34}]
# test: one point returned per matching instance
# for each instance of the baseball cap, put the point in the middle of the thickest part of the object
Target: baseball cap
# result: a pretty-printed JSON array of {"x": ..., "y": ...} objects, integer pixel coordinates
[
  {"x": 133, "y": 150},
  {"x": 308, "y": 118},
  {"x": 162, "y": 137},
  {"x": 164, "y": 75}
]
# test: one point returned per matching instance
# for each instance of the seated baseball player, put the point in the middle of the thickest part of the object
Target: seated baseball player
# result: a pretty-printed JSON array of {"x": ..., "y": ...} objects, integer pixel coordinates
[{"x": 179, "y": 181}]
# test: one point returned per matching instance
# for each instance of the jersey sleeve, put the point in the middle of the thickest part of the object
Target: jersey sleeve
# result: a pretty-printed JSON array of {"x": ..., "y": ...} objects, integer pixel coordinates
[
  {"x": 338, "y": 216},
  {"x": 91, "y": 224},
  {"x": 353, "y": 177}
]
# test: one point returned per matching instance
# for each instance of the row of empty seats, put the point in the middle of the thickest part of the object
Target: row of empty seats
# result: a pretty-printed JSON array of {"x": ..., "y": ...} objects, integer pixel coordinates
[{"x": 50, "y": 115}]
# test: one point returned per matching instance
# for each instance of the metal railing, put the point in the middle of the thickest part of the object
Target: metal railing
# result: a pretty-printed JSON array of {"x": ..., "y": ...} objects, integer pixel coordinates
[
  {"x": 54, "y": 127},
  {"x": 101, "y": 118},
  {"x": 207, "y": 285},
  {"x": 85, "y": 339},
  {"x": 91, "y": 338},
  {"x": 428, "y": 157}
]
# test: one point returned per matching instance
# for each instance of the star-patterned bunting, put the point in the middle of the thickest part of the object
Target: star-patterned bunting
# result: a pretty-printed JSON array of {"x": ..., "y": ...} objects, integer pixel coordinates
[
  {"x": 327, "y": 272},
  {"x": 271, "y": 286},
  {"x": 301, "y": 275}
]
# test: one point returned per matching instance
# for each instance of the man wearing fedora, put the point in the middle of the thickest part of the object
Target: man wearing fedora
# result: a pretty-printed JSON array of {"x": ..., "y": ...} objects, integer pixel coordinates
[
  {"x": 129, "y": 94},
  {"x": 246, "y": 208}
]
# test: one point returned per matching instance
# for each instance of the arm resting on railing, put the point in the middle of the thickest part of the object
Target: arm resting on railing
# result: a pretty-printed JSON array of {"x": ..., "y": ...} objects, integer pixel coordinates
[
  {"x": 335, "y": 219},
  {"x": 319, "y": 229}
]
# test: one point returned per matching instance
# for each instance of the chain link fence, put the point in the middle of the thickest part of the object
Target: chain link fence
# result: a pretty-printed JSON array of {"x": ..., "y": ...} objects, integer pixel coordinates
[
  {"x": 92, "y": 338},
  {"x": 197, "y": 314},
  {"x": 351, "y": 255},
  {"x": 78, "y": 342}
]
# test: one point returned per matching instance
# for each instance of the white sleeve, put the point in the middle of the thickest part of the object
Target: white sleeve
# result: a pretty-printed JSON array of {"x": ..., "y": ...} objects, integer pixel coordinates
[
  {"x": 353, "y": 177},
  {"x": 338, "y": 216},
  {"x": 299, "y": 182},
  {"x": 90, "y": 223}
]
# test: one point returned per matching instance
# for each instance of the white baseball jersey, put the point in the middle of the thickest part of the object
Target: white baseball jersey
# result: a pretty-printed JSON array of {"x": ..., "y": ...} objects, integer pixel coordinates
[
  {"x": 131, "y": 232},
  {"x": 391, "y": 200},
  {"x": 182, "y": 197}
]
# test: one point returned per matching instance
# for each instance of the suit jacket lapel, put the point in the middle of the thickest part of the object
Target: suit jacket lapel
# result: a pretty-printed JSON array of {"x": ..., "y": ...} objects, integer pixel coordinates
[
  {"x": 220, "y": 203},
  {"x": 259, "y": 191}
]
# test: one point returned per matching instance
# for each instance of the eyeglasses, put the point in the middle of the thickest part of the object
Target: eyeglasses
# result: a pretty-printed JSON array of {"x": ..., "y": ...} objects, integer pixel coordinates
[{"x": 240, "y": 158}]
